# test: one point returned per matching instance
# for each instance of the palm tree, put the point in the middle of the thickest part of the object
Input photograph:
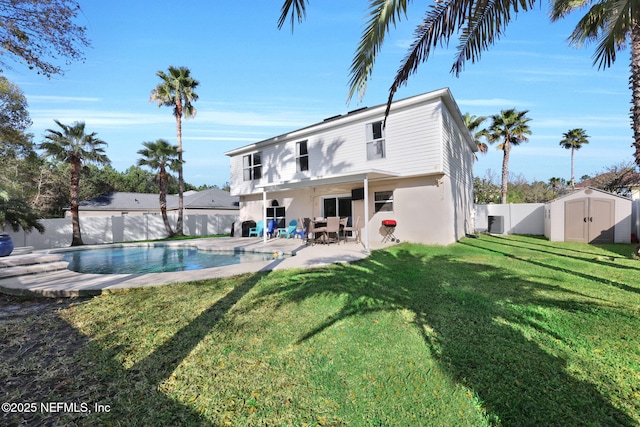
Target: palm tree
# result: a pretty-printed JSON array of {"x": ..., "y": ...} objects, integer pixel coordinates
[
  {"x": 556, "y": 184},
  {"x": 177, "y": 91},
  {"x": 573, "y": 140},
  {"x": 509, "y": 128},
  {"x": 473, "y": 124},
  {"x": 160, "y": 155},
  {"x": 613, "y": 24},
  {"x": 16, "y": 213},
  {"x": 73, "y": 145},
  {"x": 477, "y": 23}
]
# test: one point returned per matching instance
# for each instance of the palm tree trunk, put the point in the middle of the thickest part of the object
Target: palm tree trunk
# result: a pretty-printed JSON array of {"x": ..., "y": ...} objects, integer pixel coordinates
[
  {"x": 75, "y": 198},
  {"x": 573, "y": 181},
  {"x": 163, "y": 202},
  {"x": 505, "y": 170},
  {"x": 634, "y": 84},
  {"x": 179, "y": 225}
]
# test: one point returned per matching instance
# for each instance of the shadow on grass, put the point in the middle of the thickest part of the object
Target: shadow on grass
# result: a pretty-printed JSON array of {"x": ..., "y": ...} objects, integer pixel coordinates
[
  {"x": 593, "y": 257},
  {"x": 88, "y": 372},
  {"x": 499, "y": 249},
  {"x": 466, "y": 313}
]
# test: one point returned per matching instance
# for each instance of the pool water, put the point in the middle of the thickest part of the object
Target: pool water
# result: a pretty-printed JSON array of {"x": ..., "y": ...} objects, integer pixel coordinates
[{"x": 154, "y": 259}]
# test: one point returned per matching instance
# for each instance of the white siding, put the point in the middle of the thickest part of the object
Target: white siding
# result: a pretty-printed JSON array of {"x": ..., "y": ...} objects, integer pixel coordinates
[
  {"x": 458, "y": 167},
  {"x": 413, "y": 141}
]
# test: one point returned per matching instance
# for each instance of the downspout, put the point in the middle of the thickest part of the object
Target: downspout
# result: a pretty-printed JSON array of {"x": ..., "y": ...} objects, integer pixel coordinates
[
  {"x": 366, "y": 213},
  {"x": 264, "y": 215}
]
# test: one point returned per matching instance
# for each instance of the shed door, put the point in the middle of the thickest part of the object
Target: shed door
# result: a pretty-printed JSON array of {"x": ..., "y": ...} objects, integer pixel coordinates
[
  {"x": 601, "y": 221},
  {"x": 576, "y": 227},
  {"x": 589, "y": 220}
]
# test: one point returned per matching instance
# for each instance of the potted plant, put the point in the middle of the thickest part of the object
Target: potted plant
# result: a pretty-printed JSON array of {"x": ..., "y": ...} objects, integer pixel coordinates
[{"x": 15, "y": 213}]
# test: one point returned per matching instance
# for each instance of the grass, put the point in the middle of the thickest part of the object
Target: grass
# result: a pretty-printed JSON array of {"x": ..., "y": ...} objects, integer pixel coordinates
[{"x": 506, "y": 331}]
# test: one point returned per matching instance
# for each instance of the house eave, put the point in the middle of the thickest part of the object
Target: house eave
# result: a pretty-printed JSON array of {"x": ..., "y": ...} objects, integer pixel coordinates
[{"x": 320, "y": 181}]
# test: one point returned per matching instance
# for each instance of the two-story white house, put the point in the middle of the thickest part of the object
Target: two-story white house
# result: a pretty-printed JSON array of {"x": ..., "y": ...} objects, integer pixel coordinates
[{"x": 416, "y": 169}]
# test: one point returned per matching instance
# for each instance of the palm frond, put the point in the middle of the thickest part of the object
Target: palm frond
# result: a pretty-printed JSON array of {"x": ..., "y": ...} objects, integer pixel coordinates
[
  {"x": 609, "y": 23},
  {"x": 441, "y": 21},
  {"x": 383, "y": 14},
  {"x": 296, "y": 8},
  {"x": 485, "y": 25},
  {"x": 482, "y": 22},
  {"x": 561, "y": 8}
]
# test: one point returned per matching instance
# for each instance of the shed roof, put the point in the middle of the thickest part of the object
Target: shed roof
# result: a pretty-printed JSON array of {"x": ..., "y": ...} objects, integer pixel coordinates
[{"x": 588, "y": 192}]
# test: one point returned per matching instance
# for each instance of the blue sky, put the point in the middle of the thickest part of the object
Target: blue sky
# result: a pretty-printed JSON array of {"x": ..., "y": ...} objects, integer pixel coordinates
[{"x": 257, "y": 82}]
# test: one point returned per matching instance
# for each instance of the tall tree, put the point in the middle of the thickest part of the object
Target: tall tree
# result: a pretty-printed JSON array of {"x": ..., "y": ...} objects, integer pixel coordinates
[
  {"x": 160, "y": 155},
  {"x": 478, "y": 24},
  {"x": 473, "y": 124},
  {"x": 177, "y": 90},
  {"x": 16, "y": 214},
  {"x": 19, "y": 162},
  {"x": 73, "y": 145},
  {"x": 40, "y": 32},
  {"x": 613, "y": 24},
  {"x": 509, "y": 128},
  {"x": 573, "y": 140}
]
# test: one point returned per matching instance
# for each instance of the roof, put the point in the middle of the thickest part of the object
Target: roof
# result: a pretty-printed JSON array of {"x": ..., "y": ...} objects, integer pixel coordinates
[
  {"x": 211, "y": 198},
  {"x": 338, "y": 120},
  {"x": 587, "y": 191}
]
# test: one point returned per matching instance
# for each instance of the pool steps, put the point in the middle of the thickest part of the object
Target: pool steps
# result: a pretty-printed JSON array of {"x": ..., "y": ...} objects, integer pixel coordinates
[{"x": 20, "y": 265}]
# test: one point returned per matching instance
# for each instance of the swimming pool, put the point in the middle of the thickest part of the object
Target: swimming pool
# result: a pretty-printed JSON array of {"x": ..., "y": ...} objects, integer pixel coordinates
[{"x": 155, "y": 259}]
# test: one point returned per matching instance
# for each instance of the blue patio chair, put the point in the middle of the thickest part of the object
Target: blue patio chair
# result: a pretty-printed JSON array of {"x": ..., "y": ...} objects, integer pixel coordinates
[
  {"x": 289, "y": 231},
  {"x": 271, "y": 228},
  {"x": 302, "y": 232},
  {"x": 257, "y": 230}
]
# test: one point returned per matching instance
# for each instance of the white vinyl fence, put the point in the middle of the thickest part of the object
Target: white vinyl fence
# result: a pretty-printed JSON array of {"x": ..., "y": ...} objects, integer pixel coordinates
[
  {"x": 512, "y": 218},
  {"x": 635, "y": 217},
  {"x": 97, "y": 230}
]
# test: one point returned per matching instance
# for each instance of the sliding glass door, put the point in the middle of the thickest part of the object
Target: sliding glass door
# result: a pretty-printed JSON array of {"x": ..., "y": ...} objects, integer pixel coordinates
[{"x": 337, "y": 206}]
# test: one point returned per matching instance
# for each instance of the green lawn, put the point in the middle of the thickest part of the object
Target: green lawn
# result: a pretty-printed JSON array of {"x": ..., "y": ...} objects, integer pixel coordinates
[{"x": 506, "y": 331}]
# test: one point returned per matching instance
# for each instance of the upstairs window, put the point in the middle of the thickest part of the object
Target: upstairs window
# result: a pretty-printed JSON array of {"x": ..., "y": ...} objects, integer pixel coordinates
[
  {"x": 375, "y": 141},
  {"x": 302, "y": 157},
  {"x": 252, "y": 166},
  {"x": 383, "y": 201}
]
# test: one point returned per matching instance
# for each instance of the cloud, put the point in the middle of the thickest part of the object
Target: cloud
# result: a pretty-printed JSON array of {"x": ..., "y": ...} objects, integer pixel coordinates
[
  {"x": 220, "y": 118},
  {"x": 490, "y": 102},
  {"x": 590, "y": 122},
  {"x": 61, "y": 99}
]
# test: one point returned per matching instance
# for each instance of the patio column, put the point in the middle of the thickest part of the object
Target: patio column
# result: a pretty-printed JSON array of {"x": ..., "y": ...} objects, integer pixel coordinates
[
  {"x": 264, "y": 214},
  {"x": 366, "y": 213}
]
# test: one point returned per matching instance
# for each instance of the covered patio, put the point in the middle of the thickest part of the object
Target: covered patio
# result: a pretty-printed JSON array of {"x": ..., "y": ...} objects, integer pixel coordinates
[{"x": 327, "y": 186}]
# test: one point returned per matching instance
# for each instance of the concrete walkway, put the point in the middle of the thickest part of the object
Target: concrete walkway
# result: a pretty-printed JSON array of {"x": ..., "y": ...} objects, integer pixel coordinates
[{"x": 27, "y": 275}]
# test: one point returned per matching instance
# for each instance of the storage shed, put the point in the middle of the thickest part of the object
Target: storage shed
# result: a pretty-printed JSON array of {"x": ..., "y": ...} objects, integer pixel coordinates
[{"x": 588, "y": 215}]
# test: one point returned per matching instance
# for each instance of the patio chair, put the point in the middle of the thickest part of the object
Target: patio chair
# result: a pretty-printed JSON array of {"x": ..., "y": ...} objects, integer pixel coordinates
[
  {"x": 271, "y": 228},
  {"x": 301, "y": 229},
  {"x": 257, "y": 230},
  {"x": 316, "y": 234},
  {"x": 343, "y": 225},
  {"x": 355, "y": 230},
  {"x": 289, "y": 231},
  {"x": 332, "y": 230}
]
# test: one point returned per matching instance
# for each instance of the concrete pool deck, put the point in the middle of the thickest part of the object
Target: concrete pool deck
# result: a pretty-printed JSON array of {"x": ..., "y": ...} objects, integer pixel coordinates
[{"x": 41, "y": 273}]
